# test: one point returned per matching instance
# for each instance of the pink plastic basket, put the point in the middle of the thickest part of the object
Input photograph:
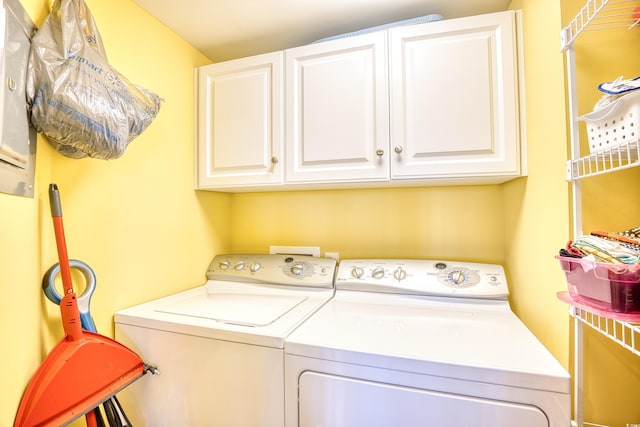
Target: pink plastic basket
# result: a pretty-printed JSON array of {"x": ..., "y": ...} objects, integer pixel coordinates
[{"x": 603, "y": 286}]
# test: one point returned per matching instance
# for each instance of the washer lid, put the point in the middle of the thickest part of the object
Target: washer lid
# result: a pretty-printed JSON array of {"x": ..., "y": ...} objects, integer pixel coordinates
[
  {"x": 235, "y": 308},
  {"x": 230, "y": 311}
]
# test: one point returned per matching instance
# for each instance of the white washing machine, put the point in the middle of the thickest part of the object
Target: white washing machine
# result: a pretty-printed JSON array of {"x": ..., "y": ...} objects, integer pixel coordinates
[
  {"x": 219, "y": 348},
  {"x": 421, "y": 343}
]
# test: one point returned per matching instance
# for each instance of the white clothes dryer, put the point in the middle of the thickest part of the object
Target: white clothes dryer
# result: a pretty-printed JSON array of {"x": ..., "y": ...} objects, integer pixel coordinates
[
  {"x": 219, "y": 348},
  {"x": 421, "y": 343}
]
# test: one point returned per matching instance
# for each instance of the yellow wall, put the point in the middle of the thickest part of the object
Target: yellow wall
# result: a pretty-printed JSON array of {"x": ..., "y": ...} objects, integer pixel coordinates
[
  {"x": 536, "y": 208},
  {"x": 136, "y": 220},
  {"x": 447, "y": 223},
  {"x": 146, "y": 233}
]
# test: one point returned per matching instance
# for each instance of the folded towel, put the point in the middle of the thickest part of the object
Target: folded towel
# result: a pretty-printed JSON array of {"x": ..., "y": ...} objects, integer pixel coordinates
[
  {"x": 607, "y": 250},
  {"x": 630, "y": 242}
]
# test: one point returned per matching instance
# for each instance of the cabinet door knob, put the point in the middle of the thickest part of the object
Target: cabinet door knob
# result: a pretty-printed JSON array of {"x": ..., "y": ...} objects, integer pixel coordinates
[
  {"x": 274, "y": 160},
  {"x": 379, "y": 153},
  {"x": 398, "y": 149}
]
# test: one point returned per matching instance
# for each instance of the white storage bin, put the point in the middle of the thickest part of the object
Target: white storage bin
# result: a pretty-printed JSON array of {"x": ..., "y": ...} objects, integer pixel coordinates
[{"x": 617, "y": 123}]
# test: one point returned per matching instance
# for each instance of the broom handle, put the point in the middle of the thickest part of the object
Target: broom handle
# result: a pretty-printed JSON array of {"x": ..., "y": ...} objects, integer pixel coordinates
[
  {"x": 69, "y": 304},
  {"x": 63, "y": 257}
]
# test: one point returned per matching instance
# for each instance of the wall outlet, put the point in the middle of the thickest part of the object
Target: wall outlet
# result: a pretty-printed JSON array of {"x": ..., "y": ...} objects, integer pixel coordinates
[
  {"x": 332, "y": 255},
  {"x": 295, "y": 250}
]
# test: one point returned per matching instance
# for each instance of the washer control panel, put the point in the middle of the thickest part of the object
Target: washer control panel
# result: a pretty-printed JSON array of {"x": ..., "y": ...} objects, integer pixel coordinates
[
  {"x": 295, "y": 270},
  {"x": 423, "y": 277}
]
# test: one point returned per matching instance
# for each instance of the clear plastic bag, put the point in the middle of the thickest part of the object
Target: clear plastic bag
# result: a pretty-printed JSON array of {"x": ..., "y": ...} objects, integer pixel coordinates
[{"x": 83, "y": 105}]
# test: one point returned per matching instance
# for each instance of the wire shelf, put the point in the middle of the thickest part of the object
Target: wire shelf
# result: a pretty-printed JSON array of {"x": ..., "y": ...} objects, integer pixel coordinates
[
  {"x": 595, "y": 15},
  {"x": 600, "y": 15},
  {"x": 624, "y": 333},
  {"x": 622, "y": 156}
]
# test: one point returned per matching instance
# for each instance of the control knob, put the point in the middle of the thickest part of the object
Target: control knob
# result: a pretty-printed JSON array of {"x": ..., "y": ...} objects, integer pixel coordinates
[
  {"x": 224, "y": 265},
  {"x": 255, "y": 267},
  {"x": 459, "y": 277},
  {"x": 377, "y": 273},
  {"x": 239, "y": 266},
  {"x": 297, "y": 269},
  {"x": 456, "y": 277},
  {"x": 357, "y": 272},
  {"x": 399, "y": 274}
]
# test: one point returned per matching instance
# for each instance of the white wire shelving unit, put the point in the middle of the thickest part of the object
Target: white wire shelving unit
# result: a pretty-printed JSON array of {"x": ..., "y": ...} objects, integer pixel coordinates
[
  {"x": 598, "y": 15},
  {"x": 623, "y": 156},
  {"x": 595, "y": 15},
  {"x": 624, "y": 333}
]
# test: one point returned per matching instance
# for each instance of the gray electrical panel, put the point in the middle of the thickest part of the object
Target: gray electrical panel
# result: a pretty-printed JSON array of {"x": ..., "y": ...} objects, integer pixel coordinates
[{"x": 17, "y": 136}]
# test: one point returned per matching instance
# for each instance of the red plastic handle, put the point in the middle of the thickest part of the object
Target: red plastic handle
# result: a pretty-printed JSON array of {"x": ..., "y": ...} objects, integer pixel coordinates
[
  {"x": 69, "y": 304},
  {"x": 63, "y": 257}
]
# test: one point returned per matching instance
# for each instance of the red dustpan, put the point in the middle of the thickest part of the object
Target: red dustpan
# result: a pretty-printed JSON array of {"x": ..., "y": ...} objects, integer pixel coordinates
[{"x": 84, "y": 368}]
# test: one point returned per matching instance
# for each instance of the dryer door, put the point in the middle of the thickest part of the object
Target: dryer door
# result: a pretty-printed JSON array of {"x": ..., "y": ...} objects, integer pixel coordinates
[{"x": 334, "y": 401}]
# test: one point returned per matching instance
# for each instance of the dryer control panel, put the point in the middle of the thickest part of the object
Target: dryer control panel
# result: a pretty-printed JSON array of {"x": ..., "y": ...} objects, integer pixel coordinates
[
  {"x": 423, "y": 277},
  {"x": 293, "y": 270}
]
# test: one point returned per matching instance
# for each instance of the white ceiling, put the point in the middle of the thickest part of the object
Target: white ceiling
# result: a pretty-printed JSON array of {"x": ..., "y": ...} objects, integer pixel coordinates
[{"x": 228, "y": 29}]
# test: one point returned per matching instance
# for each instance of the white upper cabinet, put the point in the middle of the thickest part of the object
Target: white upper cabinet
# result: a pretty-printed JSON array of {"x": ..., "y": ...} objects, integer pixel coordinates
[
  {"x": 427, "y": 104},
  {"x": 240, "y": 135},
  {"x": 454, "y": 99},
  {"x": 337, "y": 111}
]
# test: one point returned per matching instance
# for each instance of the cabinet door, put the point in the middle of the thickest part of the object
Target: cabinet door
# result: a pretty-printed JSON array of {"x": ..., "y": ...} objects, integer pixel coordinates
[
  {"x": 240, "y": 122},
  {"x": 337, "y": 113},
  {"x": 454, "y": 99}
]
